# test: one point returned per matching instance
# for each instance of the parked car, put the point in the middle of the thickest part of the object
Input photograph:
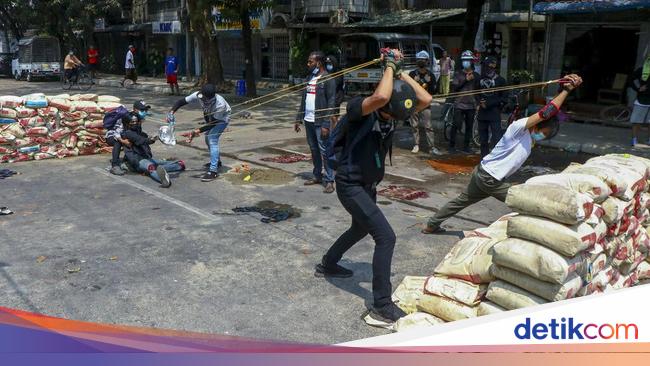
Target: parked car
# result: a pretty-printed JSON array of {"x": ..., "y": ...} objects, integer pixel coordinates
[
  {"x": 358, "y": 48},
  {"x": 37, "y": 58}
]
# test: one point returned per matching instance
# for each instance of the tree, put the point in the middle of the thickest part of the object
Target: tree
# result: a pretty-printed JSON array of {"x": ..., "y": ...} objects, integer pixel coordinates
[
  {"x": 14, "y": 18},
  {"x": 203, "y": 27},
  {"x": 472, "y": 20}
]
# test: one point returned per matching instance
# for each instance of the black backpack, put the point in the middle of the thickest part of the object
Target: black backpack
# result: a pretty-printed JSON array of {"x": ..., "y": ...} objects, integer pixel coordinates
[{"x": 111, "y": 118}]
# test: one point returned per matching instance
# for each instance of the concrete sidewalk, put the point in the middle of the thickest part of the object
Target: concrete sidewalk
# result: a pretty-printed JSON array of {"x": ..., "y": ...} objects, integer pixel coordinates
[{"x": 159, "y": 85}]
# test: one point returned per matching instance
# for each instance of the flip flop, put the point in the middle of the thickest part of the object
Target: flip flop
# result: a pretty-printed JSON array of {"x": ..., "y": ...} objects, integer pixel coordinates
[{"x": 5, "y": 211}]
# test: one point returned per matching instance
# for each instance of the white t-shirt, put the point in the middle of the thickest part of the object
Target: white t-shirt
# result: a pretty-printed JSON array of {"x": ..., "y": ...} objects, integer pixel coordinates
[
  {"x": 129, "y": 57},
  {"x": 511, "y": 151},
  {"x": 310, "y": 100}
]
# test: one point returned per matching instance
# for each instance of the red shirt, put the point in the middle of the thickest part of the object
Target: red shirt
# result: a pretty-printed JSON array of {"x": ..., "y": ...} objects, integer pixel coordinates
[{"x": 92, "y": 56}]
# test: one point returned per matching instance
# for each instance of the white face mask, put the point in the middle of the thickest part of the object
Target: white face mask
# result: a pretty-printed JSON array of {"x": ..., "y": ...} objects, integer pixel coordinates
[
  {"x": 329, "y": 68},
  {"x": 467, "y": 64}
]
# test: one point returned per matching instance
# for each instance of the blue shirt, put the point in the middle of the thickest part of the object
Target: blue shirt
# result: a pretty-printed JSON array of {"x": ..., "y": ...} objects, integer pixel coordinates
[{"x": 171, "y": 64}]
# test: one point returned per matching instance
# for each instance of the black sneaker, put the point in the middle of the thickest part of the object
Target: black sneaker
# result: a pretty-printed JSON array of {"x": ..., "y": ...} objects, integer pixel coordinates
[
  {"x": 207, "y": 165},
  {"x": 165, "y": 182},
  {"x": 332, "y": 271},
  {"x": 209, "y": 176},
  {"x": 383, "y": 316}
]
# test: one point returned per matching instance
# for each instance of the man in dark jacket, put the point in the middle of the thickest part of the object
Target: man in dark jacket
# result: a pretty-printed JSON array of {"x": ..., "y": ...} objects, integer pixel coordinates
[
  {"x": 465, "y": 79},
  {"x": 489, "y": 112},
  {"x": 641, "y": 110},
  {"x": 138, "y": 155},
  {"x": 332, "y": 66},
  {"x": 316, "y": 110}
]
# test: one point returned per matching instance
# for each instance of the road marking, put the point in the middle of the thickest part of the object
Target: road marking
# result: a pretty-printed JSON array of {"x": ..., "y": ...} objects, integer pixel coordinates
[{"x": 162, "y": 196}]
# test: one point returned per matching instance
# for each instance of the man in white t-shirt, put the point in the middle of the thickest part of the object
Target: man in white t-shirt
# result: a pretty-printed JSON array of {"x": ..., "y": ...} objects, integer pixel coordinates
[
  {"x": 129, "y": 66},
  {"x": 506, "y": 158}
]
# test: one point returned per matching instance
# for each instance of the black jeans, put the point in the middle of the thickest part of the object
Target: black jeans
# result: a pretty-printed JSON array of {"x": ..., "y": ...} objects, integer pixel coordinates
[
  {"x": 117, "y": 146},
  {"x": 485, "y": 128},
  {"x": 367, "y": 218},
  {"x": 460, "y": 116}
]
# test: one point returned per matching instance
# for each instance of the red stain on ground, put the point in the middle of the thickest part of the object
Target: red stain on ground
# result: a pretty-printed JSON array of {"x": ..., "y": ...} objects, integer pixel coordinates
[
  {"x": 456, "y": 164},
  {"x": 287, "y": 159},
  {"x": 402, "y": 193}
]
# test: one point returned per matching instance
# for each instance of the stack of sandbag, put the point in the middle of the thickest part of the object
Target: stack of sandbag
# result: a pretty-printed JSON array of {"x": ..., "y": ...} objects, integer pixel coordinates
[{"x": 36, "y": 127}]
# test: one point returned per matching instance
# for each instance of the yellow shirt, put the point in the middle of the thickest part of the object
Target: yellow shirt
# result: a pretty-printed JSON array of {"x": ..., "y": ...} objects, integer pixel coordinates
[{"x": 70, "y": 62}]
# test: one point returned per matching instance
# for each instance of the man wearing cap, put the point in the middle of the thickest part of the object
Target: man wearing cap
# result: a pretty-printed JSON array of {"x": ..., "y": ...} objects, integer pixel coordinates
[
  {"x": 489, "y": 110},
  {"x": 465, "y": 80},
  {"x": 216, "y": 113},
  {"x": 115, "y": 138},
  {"x": 129, "y": 66},
  {"x": 369, "y": 124},
  {"x": 423, "y": 76}
]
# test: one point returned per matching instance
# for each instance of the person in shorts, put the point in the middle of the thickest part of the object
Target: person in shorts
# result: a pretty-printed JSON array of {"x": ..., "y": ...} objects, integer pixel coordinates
[
  {"x": 171, "y": 71},
  {"x": 641, "y": 110}
]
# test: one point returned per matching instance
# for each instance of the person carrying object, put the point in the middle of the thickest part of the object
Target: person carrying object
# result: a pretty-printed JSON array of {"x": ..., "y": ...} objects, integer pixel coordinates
[
  {"x": 423, "y": 76},
  {"x": 113, "y": 123},
  {"x": 138, "y": 155},
  {"x": 363, "y": 138},
  {"x": 489, "y": 110},
  {"x": 216, "y": 113},
  {"x": 317, "y": 114},
  {"x": 509, "y": 154},
  {"x": 465, "y": 80}
]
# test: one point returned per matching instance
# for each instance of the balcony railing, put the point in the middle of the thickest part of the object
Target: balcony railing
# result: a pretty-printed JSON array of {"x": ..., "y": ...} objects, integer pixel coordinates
[{"x": 325, "y": 8}]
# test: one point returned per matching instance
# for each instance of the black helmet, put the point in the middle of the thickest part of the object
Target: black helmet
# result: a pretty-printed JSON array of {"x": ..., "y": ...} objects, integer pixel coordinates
[
  {"x": 208, "y": 91},
  {"x": 490, "y": 60},
  {"x": 402, "y": 101}
]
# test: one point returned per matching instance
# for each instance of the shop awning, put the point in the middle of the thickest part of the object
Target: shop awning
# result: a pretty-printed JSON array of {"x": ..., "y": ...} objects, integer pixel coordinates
[
  {"x": 589, "y": 6},
  {"x": 407, "y": 18}
]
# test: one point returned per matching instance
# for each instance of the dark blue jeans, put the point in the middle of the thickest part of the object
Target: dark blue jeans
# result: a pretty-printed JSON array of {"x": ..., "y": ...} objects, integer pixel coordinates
[
  {"x": 149, "y": 166},
  {"x": 317, "y": 146}
]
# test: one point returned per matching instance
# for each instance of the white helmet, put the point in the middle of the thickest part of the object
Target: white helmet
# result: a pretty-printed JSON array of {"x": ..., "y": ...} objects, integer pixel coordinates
[
  {"x": 422, "y": 55},
  {"x": 467, "y": 55}
]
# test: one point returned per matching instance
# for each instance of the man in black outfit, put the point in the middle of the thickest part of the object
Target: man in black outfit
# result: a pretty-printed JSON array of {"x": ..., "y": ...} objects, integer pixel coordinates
[
  {"x": 465, "y": 80},
  {"x": 370, "y": 124},
  {"x": 489, "y": 112}
]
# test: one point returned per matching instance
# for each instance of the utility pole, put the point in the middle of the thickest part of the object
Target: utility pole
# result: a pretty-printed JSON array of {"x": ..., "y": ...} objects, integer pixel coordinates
[
  {"x": 185, "y": 19},
  {"x": 529, "y": 44}
]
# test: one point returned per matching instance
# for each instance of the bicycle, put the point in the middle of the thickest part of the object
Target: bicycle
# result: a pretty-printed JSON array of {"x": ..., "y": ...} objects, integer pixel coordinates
[
  {"x": 447, "y": 117},
  {"x": 83, "y": 80},
  {"x": 616, "y": 113}
]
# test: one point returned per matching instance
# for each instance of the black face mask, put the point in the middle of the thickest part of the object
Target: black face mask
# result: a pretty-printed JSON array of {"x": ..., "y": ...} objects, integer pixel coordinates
[{"x": 421, "y": 63}]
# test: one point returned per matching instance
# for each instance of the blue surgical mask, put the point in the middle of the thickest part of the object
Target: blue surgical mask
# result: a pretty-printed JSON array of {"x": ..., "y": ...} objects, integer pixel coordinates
[
  {"x": 467, "y": 64},
  {"x": 537, "y": 136},
  {"x": 142, "y": 114},
  {"x": 329, "y": 68},
  {"x": 315, "y": 70}
]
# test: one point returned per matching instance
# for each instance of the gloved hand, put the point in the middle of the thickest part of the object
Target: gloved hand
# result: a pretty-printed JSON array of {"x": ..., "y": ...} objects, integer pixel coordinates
[
  {"x": 392, "y": 58},
  {"x": 570, "y": 82}
]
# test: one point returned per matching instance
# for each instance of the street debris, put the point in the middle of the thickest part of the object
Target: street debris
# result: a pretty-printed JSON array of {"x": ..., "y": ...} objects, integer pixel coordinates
[
  {"x": 271, "y": 211},
  {"x": 6, "y": 173},
  {"x": 5, "y": 211},
  {"x": 287, "y": 158},
  {"x": 41, "y": 258},
  {"x": 37, "y": 127},
  {"x": 456, "y": 164},
  {"x": 258, "y": 176},
  {"x": 583, "y": 231},
  {"x": 402, "y": 193}
]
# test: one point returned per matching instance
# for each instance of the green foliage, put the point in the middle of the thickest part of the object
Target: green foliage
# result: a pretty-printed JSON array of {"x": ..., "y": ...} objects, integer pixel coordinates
[
  {"x": 524, "y": 76},
  {"x": 298, "y": 53}
]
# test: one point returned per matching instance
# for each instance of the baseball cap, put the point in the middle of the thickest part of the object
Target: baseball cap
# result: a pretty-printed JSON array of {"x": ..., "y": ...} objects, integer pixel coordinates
[{"x": 141, "y": 105}]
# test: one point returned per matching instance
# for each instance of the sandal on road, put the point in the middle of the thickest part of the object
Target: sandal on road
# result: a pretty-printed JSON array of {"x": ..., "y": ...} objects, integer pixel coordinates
[{"x": 5, "y": 211}]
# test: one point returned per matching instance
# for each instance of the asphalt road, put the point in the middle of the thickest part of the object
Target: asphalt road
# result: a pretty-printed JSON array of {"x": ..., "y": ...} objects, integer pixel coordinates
[{"x": 86, "y": 245}]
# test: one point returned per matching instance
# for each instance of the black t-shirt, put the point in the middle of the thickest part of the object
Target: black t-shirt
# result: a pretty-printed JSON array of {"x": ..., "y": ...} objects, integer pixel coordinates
[
  {"x": 426, "y": 80},
  {"x": 365, "y": 161}
]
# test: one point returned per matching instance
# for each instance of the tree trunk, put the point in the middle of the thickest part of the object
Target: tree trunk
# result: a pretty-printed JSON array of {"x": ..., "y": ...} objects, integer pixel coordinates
[
  {"x": 472, "y": 20},
  {"x": 201, "y": 22},
  {"x": 251, "y": 89}
]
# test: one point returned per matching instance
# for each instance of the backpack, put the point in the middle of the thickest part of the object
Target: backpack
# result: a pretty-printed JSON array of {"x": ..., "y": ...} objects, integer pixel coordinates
[
  {"x": 111, "y": 118},
  {"x": 340, "y": 143}
]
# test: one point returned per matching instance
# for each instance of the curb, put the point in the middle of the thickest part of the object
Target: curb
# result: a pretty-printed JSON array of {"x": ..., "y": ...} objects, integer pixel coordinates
[{"x": 593, "y": 149}]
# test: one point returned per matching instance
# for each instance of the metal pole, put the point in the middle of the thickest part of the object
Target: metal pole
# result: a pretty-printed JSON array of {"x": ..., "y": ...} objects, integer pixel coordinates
[
  {"x": 188, "y": 41},
  {"x": 529, "y": 44}
]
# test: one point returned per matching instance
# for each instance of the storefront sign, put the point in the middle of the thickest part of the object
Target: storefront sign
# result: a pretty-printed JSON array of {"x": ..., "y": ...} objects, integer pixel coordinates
[{"x": 173, "y": 27}]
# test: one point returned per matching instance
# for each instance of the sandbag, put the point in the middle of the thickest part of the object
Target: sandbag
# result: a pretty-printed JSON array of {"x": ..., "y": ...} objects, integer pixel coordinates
[
  {"x": 88, "y": 107},
  {"x": 536, "y": 260},
  {"x": 599, "y": 282},
  {"x": 32, "y": 122},
  {"x": 74, "y": 116},
  {"x": 551, "y": 201},
  {"x": 7, "y": 121},
  {"x": 36, "y": 131},
  {"x": 6, "y": 138},
  {"x": 62, "y": 105},
  {"x": 408, "y": 293},
  {"x": 596, "y": 215},
  {"x": 94, "y": 124},
  {"x": 446, "y": 309},
  {"x": 546, "y": 290},
  {"x": 623, "y": 281},
  {"x": 592, "y": 186},
  {"x": 615, "y": 209},
  {"x": 15, "y": 129},
  {"x": 511, "y": 297},
  {"x": 8, "y": 113},
  {"x": 469, "y": 259},
  {"x": 50, "y": 112},
  {"x": 10, "y": 101},
  {"x": 643, "y": 271},
  {"x": 566, "y": 240},
  {"x": 601, "y": 231},
  {"x": 108, "y": 98},
  {"x": 465, "y": 292},
  {"x": 634, "y": 178},
  {"x": 22, "y": 112},
  {"x": 6, "y": 150},
  {"x": 60, "y": 134},
  {"x": 488, "y": 307},
  {"x": 635, "y": 165},
  {"x": 108, "y": 106},
  {"x": 84, "y": 97},
  {"x": 416, "y": 320},
  {"x": 621, "y": 186}
]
